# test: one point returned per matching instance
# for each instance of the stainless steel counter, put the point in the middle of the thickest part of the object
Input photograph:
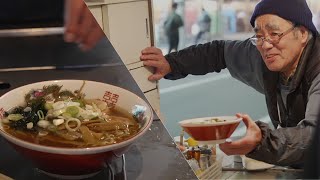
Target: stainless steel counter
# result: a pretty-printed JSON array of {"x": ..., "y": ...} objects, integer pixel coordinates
[{"x": 31, "y": 59}]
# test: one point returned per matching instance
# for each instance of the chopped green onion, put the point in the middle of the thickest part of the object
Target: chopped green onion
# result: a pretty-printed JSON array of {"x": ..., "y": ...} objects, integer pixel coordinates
[
  {"x": 15, "y": 117},
  {"x": 82, "y": 104},
  {"x": 30, "y": 125},
  {"x": 48, "y": 106},
  {"x": 66, "y": 115},
  {"x": 75, "y": 120},
  {"x": 58, "y": 112},
  {"x": 40, "y": 114},
  {"x": 72, "y": 110},
  {"x": 43, "y": 123}
]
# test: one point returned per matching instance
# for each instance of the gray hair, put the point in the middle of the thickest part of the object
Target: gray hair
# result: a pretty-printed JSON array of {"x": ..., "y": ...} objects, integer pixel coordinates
[{"x": 310, "y": 35}]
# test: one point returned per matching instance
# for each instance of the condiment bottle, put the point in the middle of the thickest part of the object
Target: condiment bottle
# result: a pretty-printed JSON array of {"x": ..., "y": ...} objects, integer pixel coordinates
[
  {"x": 204, "y": 162},
  {"x": 196, "y": 153},
  {"x": 190, "y": 152}
]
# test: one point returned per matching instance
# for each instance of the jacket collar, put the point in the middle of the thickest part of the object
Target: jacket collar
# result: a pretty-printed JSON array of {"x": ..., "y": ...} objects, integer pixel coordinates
[{"x": 301, "y": 68}]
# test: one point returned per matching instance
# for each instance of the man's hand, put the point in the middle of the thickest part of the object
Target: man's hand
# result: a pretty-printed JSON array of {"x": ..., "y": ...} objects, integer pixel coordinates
[
  {"x": 246, "y": 144},
  {"x": 153, "y": 57},
  {"x": 80, "y": 25}
]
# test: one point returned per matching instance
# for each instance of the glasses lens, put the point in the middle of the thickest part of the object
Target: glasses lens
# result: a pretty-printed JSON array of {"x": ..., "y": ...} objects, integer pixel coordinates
[{"x": 274, "y": 40}]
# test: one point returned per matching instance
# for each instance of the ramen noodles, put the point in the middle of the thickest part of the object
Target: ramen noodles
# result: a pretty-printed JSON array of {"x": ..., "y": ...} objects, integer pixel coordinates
[{"x": 61, "y": 118}]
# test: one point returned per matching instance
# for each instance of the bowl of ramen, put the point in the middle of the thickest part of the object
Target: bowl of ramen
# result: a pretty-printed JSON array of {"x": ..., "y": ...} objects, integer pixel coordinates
[
  {"x": 72, "y": 127},
  {"x": 211, "y": 130}
]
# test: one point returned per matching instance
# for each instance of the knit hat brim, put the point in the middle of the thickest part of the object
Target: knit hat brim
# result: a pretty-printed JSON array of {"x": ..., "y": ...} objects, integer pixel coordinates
[{"x": 296, "y": 11}]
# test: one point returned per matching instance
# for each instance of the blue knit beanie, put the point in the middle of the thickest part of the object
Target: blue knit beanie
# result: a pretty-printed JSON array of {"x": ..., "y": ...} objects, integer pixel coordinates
[{"x": 296, "y": 11}]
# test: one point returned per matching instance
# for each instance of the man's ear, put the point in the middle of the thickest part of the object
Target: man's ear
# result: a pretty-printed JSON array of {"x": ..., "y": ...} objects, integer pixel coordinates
[{"x": 304, "y": 34}]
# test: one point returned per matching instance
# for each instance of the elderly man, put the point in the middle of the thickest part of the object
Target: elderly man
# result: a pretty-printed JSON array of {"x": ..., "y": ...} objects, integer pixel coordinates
[{"x": 281, "y": 61}]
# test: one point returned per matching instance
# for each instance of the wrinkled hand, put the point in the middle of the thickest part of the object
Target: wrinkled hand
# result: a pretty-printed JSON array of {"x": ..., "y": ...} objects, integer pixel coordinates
[
  {"x": 80, "y": 25},
  {"x": 153, "y": 57},
  {"x": 246, "y": 144}
]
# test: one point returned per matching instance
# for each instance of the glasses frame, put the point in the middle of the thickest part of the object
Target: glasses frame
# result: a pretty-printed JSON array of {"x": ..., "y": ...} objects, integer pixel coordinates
[{"x": 278, "y": 37}]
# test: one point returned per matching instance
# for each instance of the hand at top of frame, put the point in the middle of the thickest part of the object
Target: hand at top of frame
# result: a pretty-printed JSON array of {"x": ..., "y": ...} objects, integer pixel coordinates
[{"x": 80, "y": 25}]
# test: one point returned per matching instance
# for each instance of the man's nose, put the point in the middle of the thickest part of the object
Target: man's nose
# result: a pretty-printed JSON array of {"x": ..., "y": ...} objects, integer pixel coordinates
[{"x": 266, "y": 44}]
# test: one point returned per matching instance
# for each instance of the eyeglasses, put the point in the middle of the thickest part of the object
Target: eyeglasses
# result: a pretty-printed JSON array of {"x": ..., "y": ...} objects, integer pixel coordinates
[{"x": 273, "y": 39}]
